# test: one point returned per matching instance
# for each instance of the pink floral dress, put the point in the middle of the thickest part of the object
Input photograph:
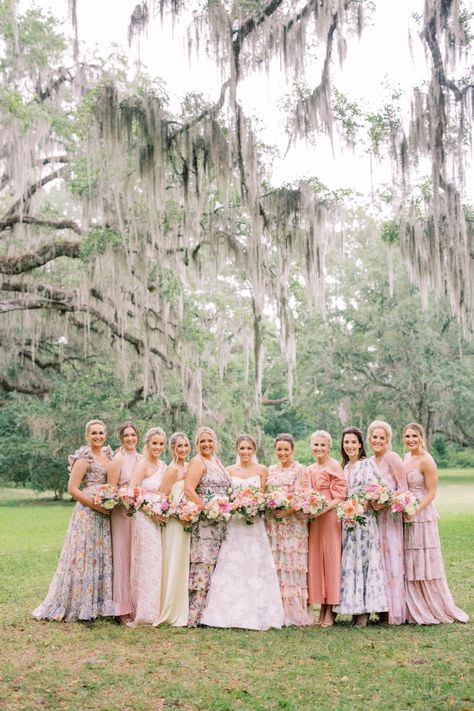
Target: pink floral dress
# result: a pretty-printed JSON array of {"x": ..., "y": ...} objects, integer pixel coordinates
[
  {"x": 289, "y": 543},
  {"x": 391, "y": 539},
  {"x": 81, "y": 588}
]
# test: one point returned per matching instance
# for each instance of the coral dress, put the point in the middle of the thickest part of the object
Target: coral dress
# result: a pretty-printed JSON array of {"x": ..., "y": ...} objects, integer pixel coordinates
[
  {"x": 122, "y": 541},
  {"x": 325, "y": 542},
  {"x": 289, "y": 543},
  {"x": 391, "y": 540},
  {"x": 206, "y": 540},
  {"x": 146, "y": 565},
  {"x": 174, "y": 584},
  {"x": 362, "y": 578},
  {"x": 81, "y": 588},
  {"x": 428, "y": 598},
  {"x": 244, "y": 589}
]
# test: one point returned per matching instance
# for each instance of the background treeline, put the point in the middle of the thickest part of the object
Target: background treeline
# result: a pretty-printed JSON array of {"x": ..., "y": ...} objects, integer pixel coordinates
[{"x": 371, "y": 354}]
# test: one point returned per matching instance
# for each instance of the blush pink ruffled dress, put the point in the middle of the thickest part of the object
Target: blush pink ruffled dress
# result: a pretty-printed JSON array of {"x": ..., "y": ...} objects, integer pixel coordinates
[
  {"x": 429, "y": 600},
  {"x": 325, "y": 542}
]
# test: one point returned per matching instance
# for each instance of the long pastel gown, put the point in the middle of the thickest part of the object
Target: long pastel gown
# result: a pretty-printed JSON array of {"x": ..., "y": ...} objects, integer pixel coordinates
[
  {"x": 81, "y": 588},
  {"x": 289, "y": 543},
  {"x": 325, "y": 541},
  {"x": 174, "y": 583},
  {"x": 146, "y": 567},
  {"x": 429, "y": 600},
  {"x": 122, "y": 541},
  {"x": 362, "y": 578},
  {"x": 244, "y": 588},
  {"x": 206, "y": 540},
  {"x": 391, "y": 540}
]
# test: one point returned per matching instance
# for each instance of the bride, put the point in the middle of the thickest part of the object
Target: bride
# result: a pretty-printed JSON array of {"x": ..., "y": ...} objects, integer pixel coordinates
[{"x": 244, "y": 589}]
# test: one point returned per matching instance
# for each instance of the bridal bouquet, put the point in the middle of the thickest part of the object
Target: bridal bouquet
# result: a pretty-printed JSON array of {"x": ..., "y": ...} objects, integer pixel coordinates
[
  {"x": 153, "y": 503},
  {"x": 248, "y": 502},
  {"x": 310, "y": 503},
  {"x": 279, "y": 500},
  {"x": 216, "y": 509},
  {"x": 128, "y": 496},
  {"x": 106, "y": 496},
  {"x": 188, "y": 512},
  {"x": 377, "y": 493},
  {"x": 405, "y": 503},
  {"x": 351, "y": 512}
]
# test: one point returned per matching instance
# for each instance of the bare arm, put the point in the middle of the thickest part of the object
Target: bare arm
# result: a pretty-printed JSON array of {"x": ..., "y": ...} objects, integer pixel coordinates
[
  {"x": 430, "y": 471},
  {"x": 169, "y": 478},
  {"x": 78, "y": 471},
  {"x": 263, "y": 477},
  {"x": 194, "y": 475},
  {"x": 114, "y": 469},
  {"x": 138, "y": 473}
]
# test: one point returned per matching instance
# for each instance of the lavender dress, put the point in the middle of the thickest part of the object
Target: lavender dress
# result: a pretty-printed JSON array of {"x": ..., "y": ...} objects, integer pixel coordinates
[
  {"x": 122, "y": 541},
  {"x": 391, "y": 539},
  {"x": 206, "y": 540},
  {"x": 428, "y": 597},
  {"x": 81, "y": 588}
]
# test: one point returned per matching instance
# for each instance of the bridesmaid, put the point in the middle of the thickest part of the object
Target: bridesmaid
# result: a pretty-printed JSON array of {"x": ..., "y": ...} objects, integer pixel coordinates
[
  {"x": 81, "y": 588},
  {"x": 393, "y": 475},
  {"x": 244, "y": 589},
  {"x": 362, "y": 580},
  {"x": 174, "y": 584},
  {"x": 325, "y": 531},
  {"x": 428, "y": 597},
  {"x": 205, "y": 477},
  {"x": 288, "y": 534},
  {"x": 146, "y": 558},
  {"x": 119, "y": 473}
]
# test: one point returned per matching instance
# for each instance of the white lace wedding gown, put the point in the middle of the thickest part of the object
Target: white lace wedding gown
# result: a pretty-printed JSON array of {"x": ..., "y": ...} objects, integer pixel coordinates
[{"x": 244, "y": 589}]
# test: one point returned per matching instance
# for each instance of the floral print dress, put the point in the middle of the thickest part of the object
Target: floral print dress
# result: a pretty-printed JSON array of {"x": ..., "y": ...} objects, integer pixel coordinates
[
  {"x": 362, "y": 575},
  {"x": 289, "y": 543},
  {"x": 81, "y": 588},
  {"x": 206, "y": 540}
]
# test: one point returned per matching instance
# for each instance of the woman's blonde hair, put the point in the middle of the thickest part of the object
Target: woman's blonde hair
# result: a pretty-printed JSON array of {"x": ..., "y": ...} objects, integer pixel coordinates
[
  {"x": 200, "y": 431},
  {"x": 174, "y": 439},
  {"x": 418, "y": 428},
  {"x": 381, "y": 425},
  {"x": 151, "y": 433},
  {"x": 94, "y": 422},
  {"x": 324, "y": 434}
]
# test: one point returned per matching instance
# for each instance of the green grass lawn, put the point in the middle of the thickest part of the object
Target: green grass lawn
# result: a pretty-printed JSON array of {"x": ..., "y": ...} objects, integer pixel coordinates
[{"x": 102, "y": 665}]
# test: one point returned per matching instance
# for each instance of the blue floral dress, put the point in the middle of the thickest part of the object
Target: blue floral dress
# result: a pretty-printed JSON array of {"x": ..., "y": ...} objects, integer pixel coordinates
[
  {"x": 81, "y": 588},
  {"x": 362, "y": 576}
]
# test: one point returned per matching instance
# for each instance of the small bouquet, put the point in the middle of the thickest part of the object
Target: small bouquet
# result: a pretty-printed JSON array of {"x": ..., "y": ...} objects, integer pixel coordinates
[
  {"x": 247, "y": 502},
  {"x": 153, "y": 503},
  {"x": 186, "y": 511},
  {"x": 310, "y": 503},
  {"x": 128, "y": 496},
  {"x": 351, "y": 512},
  {"x": 216, "y": 509},
  {"x": 405, "y": 503},
  {"x": 378, "y": 494},
  {"x": 106, "y": 496},
  {"x": 279, "y": 500}
]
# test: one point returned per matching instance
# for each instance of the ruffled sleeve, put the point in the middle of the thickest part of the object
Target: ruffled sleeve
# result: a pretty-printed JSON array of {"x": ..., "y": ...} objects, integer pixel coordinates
[
  {"x": 81, "y": 453},
  {"x": 108, "y": 451},
  {"x": 337, "y": 486}
]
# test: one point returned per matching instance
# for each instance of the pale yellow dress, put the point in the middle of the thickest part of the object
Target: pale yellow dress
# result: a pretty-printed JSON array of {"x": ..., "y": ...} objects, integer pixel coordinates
[{"x": 175, "y": 576}]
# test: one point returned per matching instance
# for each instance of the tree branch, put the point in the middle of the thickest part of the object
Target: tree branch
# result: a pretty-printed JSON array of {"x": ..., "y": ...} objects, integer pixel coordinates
[
  {"x": 31, "y": 190},
  {"x": 27, "y": 262}
]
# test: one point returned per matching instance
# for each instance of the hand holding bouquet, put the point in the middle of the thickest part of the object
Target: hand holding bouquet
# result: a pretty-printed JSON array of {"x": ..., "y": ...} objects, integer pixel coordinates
[
  {"x": 351, "y": 512},
  {"x": 279, "y": 501},
  {"x": 187, "y": 512},
  {"x": 106, "y": 496},
  {"x": 128, "y": 496},
  {"x": 216, "y": 509},
  {"x": 378, "y": 494},
  {"x": 248, "y": 502},
  {"x": 406, "y": 503},
  {"x": 310, "y": 503},
  {"x": 153, "y": 503}
]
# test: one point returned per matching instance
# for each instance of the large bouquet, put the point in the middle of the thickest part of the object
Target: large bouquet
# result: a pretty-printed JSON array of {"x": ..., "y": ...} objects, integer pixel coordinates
[
  {"x": 310, "y": 503},
  {"x": 153, "y": 503},
  {"x": 186, "y": 511},
  {"x": 405, "y": 503},
  {"x": 106, "y": 496},
  {"x": 248, "y": 502},
  {"x": 216, "y": 510},
  {"x": 351, "y": 512},
  {"x": 128, "y": 496},
  {"x": 279, "y": 500},
  {"x": 378, "y": 494}
]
